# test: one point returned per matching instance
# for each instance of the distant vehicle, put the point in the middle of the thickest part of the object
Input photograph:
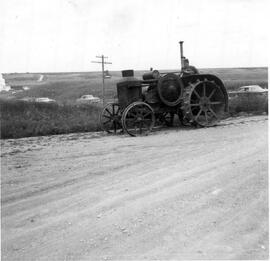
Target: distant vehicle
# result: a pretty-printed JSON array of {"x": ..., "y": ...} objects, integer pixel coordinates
[
  {"x": 45, "y": 100},
  {"x": 252, "y": 88},
  {"x": 88, "y": 98}
]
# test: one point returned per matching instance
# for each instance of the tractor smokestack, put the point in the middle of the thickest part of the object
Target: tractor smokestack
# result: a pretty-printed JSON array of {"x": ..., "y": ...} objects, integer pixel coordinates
[{"x": 182, "y": 54}]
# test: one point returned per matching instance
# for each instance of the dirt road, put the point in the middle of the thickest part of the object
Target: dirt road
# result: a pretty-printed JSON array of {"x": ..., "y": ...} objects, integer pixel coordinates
[{"x": 176, "y": 194}]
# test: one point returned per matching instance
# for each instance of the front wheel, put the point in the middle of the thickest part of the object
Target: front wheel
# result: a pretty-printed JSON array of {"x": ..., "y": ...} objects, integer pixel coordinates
[
  {"x": 138, "y": 119},
  {"x": 110, "y": 118}
]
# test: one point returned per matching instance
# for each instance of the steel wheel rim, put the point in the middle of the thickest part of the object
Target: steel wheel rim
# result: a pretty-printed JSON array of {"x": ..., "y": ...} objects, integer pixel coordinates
[
  {"x": 207, "y": 102},
  {"x": 138, "y": 119},
  {"x": 110, "y": 118}
]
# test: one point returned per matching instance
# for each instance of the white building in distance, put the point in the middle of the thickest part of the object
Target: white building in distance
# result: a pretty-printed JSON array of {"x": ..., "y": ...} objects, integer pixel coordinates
[{"x": 3, "y": 86}]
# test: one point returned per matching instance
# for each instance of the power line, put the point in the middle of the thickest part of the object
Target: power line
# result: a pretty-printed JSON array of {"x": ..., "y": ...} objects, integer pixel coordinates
[{"x": 103, "y": 76}]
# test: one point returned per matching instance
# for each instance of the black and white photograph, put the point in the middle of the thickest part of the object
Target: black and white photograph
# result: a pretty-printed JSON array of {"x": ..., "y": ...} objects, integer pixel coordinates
[{"x": 134, "y": 130}]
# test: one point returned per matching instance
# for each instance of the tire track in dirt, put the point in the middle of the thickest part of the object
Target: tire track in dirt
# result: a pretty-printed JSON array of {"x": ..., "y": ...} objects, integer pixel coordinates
[{"x": 172, "y": 195}]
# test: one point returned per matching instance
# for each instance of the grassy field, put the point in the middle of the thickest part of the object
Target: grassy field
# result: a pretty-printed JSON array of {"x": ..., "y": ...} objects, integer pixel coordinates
[
  {"x": 20, "y": 119},
  {"x": 233, "y": 78},
  {"x": 26, "y": 119},
  {"x": 67, "y": 87}
]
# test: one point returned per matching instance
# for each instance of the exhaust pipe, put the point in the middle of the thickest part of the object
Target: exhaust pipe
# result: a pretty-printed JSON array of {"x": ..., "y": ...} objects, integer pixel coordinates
[{"x": 182, "y": 54}]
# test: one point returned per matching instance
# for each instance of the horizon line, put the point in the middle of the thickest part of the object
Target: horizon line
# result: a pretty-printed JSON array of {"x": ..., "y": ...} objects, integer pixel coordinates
[{"x": 203, "y": 68}]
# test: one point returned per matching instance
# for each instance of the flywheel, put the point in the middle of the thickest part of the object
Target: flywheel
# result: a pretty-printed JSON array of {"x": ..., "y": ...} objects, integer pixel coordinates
[{"x": 170, "y": 89}]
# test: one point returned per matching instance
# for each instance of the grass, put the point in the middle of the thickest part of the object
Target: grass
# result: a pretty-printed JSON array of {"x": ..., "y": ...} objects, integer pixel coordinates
[
  {"x": 66, "y": 91},
  {"x": 248, "y": 102},
  {"x": 65, "y": 88},
  {"x": 21, "y": 119},
  {"x": 233, "y": 78}
]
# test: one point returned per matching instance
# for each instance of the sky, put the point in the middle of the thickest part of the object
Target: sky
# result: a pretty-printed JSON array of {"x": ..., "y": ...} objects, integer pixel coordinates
[{"x": 66, "y": 35}]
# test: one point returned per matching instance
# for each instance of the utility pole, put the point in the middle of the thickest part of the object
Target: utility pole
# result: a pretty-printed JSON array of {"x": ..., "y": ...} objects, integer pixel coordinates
[{"x": 103, "y": 77}]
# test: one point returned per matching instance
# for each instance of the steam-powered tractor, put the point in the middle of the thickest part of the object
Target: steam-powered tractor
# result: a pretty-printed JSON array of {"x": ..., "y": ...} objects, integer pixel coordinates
[{"x": 197, "y": 99}]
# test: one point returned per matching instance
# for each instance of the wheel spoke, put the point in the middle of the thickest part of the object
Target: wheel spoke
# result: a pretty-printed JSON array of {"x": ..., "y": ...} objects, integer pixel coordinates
[
  {"x": 114, "y": 126},
  {"x": 213, "y": 113},
  {"x": 197, "y": 94},
  {"x": 106, "y": 121},
  {"x": 148, "y": 113},
  {"x": 194, "y": 104},
  {"x": 206, "y": 117},
  {"x": 204, "y": 90},
  {"x": 106, "y": 116},
  {"x": 198, "y": 114},
  {"x": 211, "y": 94},
  {"x": 108, "y": 111}
]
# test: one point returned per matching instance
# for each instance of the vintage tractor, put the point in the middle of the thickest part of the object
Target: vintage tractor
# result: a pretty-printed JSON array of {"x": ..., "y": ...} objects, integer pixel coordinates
[{"x": 197, "y": 99}]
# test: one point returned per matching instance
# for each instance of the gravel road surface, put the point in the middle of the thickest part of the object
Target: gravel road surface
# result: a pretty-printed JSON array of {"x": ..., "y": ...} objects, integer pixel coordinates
[{"x": 175, "y": 194}]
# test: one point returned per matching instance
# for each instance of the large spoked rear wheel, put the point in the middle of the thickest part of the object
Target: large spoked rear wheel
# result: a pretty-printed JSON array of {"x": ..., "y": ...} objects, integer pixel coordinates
[
  {"x": 138, "y": 119},
  {"x": 110, "y": 118},
  {"x": 205, "y": 103}
]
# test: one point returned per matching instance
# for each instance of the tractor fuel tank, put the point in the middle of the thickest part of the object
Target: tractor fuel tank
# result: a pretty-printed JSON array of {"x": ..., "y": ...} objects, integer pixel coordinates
[{"x": 129, "y": 89}]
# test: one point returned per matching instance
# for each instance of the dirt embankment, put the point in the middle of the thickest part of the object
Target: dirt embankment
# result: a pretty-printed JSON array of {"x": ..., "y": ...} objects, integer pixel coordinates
[{"x": 175, "y": 194}]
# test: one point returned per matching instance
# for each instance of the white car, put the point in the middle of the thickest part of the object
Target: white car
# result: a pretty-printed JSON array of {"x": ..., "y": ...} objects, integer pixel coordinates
[
  {"x": 45, "y": 100},
  {"x": 88, "y": 98},
  {"x": 252, "y": 88}
]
